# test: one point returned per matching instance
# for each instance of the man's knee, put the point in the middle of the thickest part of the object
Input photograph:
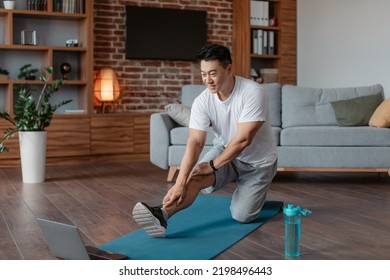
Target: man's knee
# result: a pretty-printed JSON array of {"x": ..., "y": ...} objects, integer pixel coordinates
[
  {"x": 243, "y": 217},
  {"x": 202, "y": 181}
]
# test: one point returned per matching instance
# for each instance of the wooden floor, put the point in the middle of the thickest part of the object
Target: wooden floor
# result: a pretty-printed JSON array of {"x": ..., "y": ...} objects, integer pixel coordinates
[{"x": 350, "y": 220}]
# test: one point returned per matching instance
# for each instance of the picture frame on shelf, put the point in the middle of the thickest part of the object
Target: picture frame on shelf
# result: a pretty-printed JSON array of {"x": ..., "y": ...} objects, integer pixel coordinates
[{"x": 29, "y": 37}]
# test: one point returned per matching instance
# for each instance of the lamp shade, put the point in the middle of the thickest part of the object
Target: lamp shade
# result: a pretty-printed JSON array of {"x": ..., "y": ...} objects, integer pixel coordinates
[{"x": 106, "y": 87}]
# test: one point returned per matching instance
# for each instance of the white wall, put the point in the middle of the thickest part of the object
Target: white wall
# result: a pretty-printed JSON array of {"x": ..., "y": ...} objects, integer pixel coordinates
[{"x": 343, "y": 43}]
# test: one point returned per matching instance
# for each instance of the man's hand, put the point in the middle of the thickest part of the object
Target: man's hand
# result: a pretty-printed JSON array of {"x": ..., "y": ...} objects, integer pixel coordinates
[
  {"x": 201, "y": 169},
  {"x": 178, "y": 192},
  {"x": 175, "y": 194}
]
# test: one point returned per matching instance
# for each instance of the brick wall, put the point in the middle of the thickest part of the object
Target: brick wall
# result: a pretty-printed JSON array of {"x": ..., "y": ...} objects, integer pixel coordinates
[{"x": 151, "y": 84}]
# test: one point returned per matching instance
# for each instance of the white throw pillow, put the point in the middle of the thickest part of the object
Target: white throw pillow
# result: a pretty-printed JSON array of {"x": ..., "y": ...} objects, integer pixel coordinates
[{"x": 179, "y": 113}]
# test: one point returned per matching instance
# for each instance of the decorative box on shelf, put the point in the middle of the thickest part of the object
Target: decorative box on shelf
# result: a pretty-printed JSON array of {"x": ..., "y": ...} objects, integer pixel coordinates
[{"x": 269, "y": 75}]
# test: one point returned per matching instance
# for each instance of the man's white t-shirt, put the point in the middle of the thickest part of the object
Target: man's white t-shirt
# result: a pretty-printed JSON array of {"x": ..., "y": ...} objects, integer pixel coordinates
[{"x": 247, "y": 103}]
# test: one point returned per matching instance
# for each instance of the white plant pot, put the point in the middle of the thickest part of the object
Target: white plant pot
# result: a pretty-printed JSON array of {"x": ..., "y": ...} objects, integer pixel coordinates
[
  {"x": 9, "y": 5},
  {"x": 33, "y": 155}
]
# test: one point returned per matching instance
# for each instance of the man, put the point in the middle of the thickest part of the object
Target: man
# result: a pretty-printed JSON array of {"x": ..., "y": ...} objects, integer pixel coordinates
[{"x": 244, "y": 148}]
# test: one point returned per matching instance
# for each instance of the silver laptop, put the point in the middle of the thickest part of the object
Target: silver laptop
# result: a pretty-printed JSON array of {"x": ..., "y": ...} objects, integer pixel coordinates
[{"x": 65, "y": 243}]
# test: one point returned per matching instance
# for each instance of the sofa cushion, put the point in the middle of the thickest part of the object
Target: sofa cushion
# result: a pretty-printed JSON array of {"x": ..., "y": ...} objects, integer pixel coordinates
[
  {"x": 179, "y": 113},
  {"x": 302, "y": 106},
  {"x": 335, "y": 136},
  {"x": 356, "y": 111},
  {"x": 381, "y": 116},
  {"x": 333, "y": 157},
  {"x": 179, "y": 136}
]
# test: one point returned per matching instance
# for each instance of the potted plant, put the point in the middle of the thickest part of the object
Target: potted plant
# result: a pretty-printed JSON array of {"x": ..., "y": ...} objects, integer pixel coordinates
[
  {"x": 32, "y": 114},
  {"x": 3, "y": 74},
  {"x": 27, "y": 72}
]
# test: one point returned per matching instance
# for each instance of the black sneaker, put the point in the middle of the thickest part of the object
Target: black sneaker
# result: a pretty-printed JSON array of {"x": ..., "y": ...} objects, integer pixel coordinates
[{"x": 151, "y": 219}]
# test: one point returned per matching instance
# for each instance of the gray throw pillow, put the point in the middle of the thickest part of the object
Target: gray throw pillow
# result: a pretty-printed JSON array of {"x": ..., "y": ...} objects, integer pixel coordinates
[
  {"x": 356, "y": 111},
  {"x": 179, "y": 113}
]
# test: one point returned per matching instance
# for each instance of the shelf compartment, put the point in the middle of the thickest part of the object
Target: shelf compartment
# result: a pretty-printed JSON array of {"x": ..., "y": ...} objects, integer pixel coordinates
[
  {"x": 47, "y": 30},
  {"x": 12, "y": 60},
  {"x": 74, "y": 92},
  {"x": 73, "y": 58}
]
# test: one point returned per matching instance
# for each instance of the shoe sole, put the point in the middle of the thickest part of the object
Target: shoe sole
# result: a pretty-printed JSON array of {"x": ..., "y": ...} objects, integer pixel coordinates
[{"x": 147, "y": 221}]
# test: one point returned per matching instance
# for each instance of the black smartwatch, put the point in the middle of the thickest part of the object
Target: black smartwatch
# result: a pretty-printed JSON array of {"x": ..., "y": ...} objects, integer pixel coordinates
[{"x": 212, "y": 166}]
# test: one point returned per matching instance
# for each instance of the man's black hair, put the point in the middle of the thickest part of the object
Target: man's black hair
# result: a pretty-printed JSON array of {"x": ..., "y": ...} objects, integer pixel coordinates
[{"x": 215, "y": 52}]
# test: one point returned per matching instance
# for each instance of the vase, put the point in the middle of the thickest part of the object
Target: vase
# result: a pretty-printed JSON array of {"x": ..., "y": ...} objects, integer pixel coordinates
[
  {"x": 65, "y": 69},
  {"x": 33, "y": 155},
  {"x": 9, "y": 5}
]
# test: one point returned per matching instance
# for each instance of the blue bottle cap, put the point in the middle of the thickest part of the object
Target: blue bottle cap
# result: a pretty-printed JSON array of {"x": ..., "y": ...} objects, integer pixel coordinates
[{"x": 290, "y": 210}]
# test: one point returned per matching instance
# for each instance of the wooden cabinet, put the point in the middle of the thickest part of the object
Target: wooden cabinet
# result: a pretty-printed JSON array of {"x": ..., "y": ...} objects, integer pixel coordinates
[
  {"x": 100, "y": 137},
  {"x": 120, "y": 136},
  {"x": 284, "y": 56},
  {"x": 69, "y": 137}
]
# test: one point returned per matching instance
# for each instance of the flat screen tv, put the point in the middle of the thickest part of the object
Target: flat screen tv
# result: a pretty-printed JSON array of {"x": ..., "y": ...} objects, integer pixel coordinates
[{"x": 164, "y": 34}]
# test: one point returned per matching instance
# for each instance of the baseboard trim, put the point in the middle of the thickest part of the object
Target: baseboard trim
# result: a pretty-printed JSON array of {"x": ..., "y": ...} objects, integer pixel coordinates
[{"x": 70, "y": 160}]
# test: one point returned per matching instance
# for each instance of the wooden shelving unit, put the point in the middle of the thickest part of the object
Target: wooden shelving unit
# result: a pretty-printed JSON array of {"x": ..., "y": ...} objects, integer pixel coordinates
[
  {"x": 69, "y": 134},
  {"x": 284, "y": 58}
]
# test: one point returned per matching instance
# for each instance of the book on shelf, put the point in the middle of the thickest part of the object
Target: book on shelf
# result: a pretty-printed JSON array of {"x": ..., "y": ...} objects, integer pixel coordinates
[
  {"x": 254, "y": 16},
  {"x": 271, "y": 42},
  {"x": 69, "y": 6},
  {"x": 37, "y": 5},
  {"x": 74, "y": 111},
  {"x": 260, "y": 41},
  {"x": 255, "y": 40},
  {"x": 259, "y": 13},
  {"x": 265, "y": 13},
  {"x": 263, "y": 42}
]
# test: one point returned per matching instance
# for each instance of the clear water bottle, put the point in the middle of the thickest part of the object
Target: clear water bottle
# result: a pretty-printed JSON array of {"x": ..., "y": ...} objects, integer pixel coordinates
[{"x": 292, "y": 233}]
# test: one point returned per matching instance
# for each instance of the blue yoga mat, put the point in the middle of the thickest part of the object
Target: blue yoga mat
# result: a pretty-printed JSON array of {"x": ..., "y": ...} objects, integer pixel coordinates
[{"x": 200, "y": 232}]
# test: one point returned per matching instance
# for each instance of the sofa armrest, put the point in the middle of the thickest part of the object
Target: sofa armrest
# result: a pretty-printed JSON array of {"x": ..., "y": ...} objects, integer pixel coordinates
[{"x": 160, "y": 127}]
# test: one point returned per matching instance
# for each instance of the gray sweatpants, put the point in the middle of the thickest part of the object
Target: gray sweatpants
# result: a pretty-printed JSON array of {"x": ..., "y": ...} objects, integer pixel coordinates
[{"x": 252, "y": 185}]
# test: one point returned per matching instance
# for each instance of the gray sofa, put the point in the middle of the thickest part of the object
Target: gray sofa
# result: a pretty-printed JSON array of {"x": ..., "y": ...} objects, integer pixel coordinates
[{"x": 305, "y": 128}]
